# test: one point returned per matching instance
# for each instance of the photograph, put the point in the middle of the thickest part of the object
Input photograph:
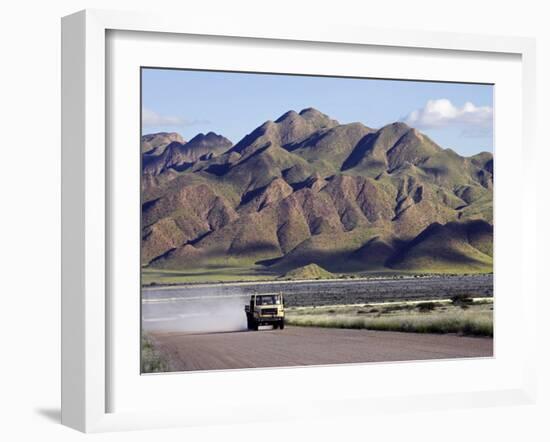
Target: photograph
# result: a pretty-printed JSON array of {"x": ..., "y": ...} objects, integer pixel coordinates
[{"x": 292, "y": 220}]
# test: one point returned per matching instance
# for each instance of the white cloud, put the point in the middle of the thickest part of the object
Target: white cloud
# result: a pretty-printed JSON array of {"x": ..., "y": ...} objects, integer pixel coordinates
[
  {"x": 151, "y": 118},
  {"x": 474, "y": 120}
]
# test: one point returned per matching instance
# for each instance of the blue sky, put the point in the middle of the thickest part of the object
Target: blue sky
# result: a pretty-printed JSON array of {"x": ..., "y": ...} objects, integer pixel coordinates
[{"x": 455, "y": 115}]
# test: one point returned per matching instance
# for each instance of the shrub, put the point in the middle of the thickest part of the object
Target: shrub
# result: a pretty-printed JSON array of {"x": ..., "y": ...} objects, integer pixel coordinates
[
  {"x": 151, "y": 360},
  {"x": 397, "y": 307},
  {"x": 461, "y": 299},
  {"x": 426, "y": 306}
]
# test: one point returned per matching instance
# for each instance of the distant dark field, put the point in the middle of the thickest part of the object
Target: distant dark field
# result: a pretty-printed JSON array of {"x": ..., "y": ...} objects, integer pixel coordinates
[{"x": 329, "y": 292}]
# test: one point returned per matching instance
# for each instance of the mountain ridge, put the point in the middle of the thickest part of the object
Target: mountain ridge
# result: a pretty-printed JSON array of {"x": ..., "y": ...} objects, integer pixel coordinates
[{"x": 304, "y": 189}]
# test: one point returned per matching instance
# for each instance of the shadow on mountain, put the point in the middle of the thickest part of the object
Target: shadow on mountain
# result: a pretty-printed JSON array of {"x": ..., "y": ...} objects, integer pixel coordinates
[
  {"x": 268, "y": 262},
  {"x": 149, "y": 205},
  {"x": 218, "y": 169},
  {"x": 249, "y": 196},
  {"x": 181, "y": 167},
  {"x": 360, "y": 151},
  {"x": 462, "y": 245}
]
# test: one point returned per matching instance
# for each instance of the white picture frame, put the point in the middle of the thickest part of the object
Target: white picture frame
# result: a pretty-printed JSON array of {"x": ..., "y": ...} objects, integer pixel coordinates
[{"x": 86, "y": 211}]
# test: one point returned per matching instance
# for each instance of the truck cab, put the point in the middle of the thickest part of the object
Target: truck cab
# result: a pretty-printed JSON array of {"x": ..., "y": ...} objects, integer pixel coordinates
[{"x": 265, "y": 309}]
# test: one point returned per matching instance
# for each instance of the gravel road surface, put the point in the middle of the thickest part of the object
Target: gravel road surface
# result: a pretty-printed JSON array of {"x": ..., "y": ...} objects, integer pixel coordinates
[{"x": 298, "y": 346}]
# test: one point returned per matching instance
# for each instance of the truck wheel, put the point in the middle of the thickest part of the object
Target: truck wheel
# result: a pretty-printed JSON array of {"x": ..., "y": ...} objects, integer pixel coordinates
[
  {"x": 255, "y": 325},
  {"x": 275, "y": 326},
  {"x": 282, "y": 324}
]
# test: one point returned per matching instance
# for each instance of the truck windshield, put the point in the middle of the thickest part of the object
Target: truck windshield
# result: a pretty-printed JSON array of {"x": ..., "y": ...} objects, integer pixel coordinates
[{"x": 268, "y": 300}]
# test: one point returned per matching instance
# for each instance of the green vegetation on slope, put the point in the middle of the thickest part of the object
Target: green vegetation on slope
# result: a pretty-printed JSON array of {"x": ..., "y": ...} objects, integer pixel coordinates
[{"x": 212, "y": 274}]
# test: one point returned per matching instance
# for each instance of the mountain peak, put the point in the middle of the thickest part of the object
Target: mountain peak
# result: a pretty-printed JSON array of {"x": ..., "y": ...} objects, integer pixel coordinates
[
  {"x": 209, "y": 138},
  {"x": 396, "y": 126},
  {"x": 312, "y": 114},
  {"x": 310, "y": 111},
  {"x": 289, "y": 129},
  {"x": 318, "y": 118},
  {"x": 155, "y": 143},
  {"x": 176, "y": 154},
  {"x": 309, "y": 115},
  {"x": 161, "y": 134},
  {"x": 286, "y": 116}
]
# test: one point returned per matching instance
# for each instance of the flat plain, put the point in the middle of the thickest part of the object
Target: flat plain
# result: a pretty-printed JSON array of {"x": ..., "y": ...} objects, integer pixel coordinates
[{"x": 334, "y": 292}]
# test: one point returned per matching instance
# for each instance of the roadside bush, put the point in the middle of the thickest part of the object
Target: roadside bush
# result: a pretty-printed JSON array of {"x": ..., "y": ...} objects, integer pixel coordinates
[
  {"x": 151, "y": 360},
  {"x": 462, "y": 299},
  {"x": 397, "y": 307},
  {"x": 426, "y": 306}
]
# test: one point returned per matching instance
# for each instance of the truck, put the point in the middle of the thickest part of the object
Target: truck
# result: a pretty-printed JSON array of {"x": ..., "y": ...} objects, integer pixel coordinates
[{"x": 265, "y": 309}]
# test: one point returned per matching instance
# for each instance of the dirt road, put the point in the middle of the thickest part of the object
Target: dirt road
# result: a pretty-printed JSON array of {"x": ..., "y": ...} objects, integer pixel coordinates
[{"x": 296, "y": 346}]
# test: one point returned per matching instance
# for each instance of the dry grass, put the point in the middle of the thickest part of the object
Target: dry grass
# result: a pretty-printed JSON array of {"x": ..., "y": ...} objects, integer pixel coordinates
[
  {"x": 440, "y": 317},
  {"x": 151, "y": 359}
]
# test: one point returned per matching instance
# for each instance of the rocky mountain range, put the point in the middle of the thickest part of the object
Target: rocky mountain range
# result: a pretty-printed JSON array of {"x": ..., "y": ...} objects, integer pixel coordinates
[{"x": 305, "y": 189}]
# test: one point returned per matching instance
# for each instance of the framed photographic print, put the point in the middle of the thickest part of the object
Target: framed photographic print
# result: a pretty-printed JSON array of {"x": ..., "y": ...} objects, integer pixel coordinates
[
  {"x": 332, "y": 229},
  {"x": 250, "y": 213}
]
